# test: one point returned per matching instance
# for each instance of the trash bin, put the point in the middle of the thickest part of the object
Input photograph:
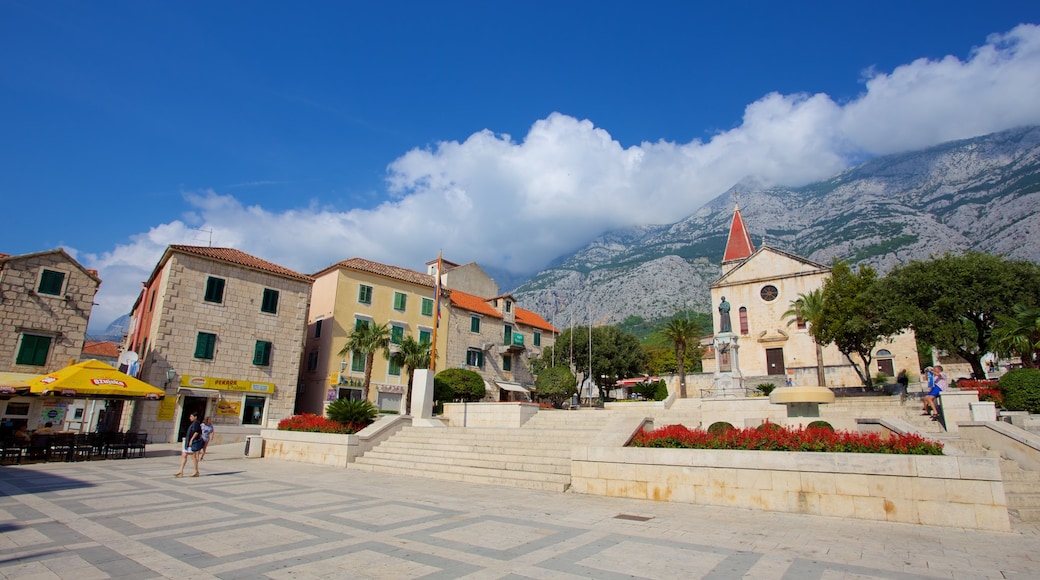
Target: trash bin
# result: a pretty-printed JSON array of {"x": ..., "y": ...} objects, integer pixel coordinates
[{"x": 254, "y": 446}]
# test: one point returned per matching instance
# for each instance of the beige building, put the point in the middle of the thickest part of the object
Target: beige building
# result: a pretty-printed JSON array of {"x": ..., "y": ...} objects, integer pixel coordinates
[
  {"x": 45, "y": 304},
  {"x": 358, "y": 291},
  {"x": 222, "y": 332},
  {"x": 758, "y": 287}
]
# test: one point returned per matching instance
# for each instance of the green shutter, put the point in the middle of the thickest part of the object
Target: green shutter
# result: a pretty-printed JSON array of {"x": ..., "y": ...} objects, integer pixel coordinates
[
  {"x": 427, "y": 307},
  {"x": 474, "y": 324},
  {"x": 537, "y": 338},
  {"x": 507, "y": 337},
  {"x": 34, "y": 350},
  {"x": 396, "y": 334},
  {"x": 357, "y": 362},
  {"x": 364, "y": 294},
  {"x": 51, "y": 282},
  {"x": 395, "y": 368},
  {"x": 270, "y": 302},
  {"x": 214, "y": 290},
  {"x": 424, "y": 336},
  {"x": 400, "y": 300},
  {"x": 262, "y": 353},
  {"x": 204, "y": 345}
]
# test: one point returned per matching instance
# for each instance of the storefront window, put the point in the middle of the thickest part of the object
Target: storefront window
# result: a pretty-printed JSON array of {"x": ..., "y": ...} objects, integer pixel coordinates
[{"x": 254, "y": 410}]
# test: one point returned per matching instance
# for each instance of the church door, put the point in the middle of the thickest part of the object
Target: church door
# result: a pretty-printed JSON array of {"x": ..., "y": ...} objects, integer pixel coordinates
[{"x": 775, "y": 361}]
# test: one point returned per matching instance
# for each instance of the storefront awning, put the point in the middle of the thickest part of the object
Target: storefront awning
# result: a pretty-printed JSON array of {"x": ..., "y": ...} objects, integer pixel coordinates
[{"x": 516, "y": 387}]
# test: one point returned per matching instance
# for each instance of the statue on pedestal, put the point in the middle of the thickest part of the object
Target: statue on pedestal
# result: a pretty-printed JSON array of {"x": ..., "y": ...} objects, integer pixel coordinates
[{"x": 724, "y": 323}]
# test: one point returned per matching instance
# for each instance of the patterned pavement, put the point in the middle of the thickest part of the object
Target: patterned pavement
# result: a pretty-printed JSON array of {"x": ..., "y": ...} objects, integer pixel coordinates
[{"x": 262, "y": 518}]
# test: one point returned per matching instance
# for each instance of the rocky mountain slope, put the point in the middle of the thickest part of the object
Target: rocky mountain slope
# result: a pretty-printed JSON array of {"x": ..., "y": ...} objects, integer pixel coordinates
[{"x": 977, "y": 194}]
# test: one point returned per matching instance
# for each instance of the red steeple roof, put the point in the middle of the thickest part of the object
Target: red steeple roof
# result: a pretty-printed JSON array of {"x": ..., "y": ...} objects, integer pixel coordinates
[{"x": 739, "y": 245}]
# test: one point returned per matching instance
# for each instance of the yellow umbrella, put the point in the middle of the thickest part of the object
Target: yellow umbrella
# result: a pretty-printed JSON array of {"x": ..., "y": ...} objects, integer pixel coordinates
[
  {"x": 92, "y": 379},
  {"x": 14, "y": 383}
]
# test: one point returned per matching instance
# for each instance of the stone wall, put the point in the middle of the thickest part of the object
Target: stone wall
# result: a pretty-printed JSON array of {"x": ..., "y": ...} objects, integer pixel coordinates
[{"x": 962, "y": 492}]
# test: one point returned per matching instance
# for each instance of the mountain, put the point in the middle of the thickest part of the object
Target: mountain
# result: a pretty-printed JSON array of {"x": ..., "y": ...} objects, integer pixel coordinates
[
  {"x": 115, "y": 331},
  {"x": 978, "y": 194}
]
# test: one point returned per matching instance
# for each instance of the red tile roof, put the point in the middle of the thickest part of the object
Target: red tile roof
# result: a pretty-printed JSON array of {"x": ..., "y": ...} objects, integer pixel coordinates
[
  {"x": 480, "y": 305},
  {"x": 394, "y": 272},
  {"x": 239, "y": 258},
  {"x": 739, "y": 245},
  {"x": 95, "y": 348}
]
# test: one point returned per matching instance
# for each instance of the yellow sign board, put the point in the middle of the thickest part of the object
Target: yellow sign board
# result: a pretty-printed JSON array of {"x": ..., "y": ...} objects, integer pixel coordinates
[
  {"x": 233, "y": 408},
  {"x": 219, "y": 384},
  {"x": 167, "y": 408}
]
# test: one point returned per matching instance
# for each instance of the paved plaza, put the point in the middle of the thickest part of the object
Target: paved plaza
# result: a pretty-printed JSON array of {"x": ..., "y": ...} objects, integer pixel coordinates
[{"x": 262, "y": 518}]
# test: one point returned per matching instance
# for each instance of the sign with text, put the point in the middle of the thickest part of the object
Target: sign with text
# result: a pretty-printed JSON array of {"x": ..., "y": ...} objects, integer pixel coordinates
[
  {"x": 232, "y": 408},
  {"x": 226, "y": 384}
]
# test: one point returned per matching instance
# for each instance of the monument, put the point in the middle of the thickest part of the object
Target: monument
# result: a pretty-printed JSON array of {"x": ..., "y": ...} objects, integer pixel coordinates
[{"x": 729, "y": 381}]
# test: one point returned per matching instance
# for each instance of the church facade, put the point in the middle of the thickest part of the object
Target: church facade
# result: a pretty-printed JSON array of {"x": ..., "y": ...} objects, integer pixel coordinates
[{"x": 758, "y": 344}]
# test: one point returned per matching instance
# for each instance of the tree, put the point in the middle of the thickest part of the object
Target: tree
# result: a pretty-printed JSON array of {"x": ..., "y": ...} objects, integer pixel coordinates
[
  {"x": 615, "y": 355},
  {"x": 954, "y": 302},
  {"x": 411, "y": 354},
  {"x": 1019, "y": 334},
  {"x": 853, "y": 316},
  {"x": 809, "y": 307},
  {"x": 680, "y": 332},
  {"x": 458, "y": 385},
  {"x": 367, "y": 339},
  {"x": 556, "y": 385}
]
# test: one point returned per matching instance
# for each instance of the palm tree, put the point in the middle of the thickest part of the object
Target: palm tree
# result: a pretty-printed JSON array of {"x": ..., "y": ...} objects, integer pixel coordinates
[
  {"x": 680, "y": 331},
  {"x": 411, "y": 354},
  {"x": 367, "y": 339},
  {"x": 808, "y": 308},
  {"x": 1019, "y": 334}
]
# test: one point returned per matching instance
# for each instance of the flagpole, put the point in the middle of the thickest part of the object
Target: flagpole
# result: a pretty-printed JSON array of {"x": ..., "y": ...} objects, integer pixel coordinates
[{"x": 436, "y": 311}]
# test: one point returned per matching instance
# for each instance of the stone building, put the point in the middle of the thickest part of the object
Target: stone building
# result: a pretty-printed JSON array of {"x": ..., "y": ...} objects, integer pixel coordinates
[
  {"x": 497, "y": 339},
  {"x": 222, "y": 331},
  {"x": 359, "y": 291},
  {"x": 45, "y": 303},
  {"x": 761, "y": 345}
]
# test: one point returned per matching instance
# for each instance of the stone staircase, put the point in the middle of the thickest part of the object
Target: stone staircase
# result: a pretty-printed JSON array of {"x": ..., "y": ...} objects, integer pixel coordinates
[
  {"x": 534, "y": 456},
  {"x": 1022, "y": 490}
]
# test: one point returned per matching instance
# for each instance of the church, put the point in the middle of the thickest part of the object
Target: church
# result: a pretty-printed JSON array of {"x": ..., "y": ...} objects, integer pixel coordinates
[{"x": 754, "y": 343}]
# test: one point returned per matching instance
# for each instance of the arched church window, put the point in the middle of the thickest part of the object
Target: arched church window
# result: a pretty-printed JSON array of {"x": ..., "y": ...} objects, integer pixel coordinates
[{"x": 743, "y": 320}]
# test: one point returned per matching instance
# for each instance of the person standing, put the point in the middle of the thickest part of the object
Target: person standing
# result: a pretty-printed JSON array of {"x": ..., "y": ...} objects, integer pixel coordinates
[
  {"x": 903, "y": 380},
  {"x": 192, "y": 445},
  {"x": 207, "y": 434}
]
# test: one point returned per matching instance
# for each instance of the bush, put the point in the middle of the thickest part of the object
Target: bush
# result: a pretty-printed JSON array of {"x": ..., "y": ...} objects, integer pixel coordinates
[
  {"x": 351, "y": 411},
  {"x": 660, "y": 390},
  {"x": 458, "y": 385},
  {"x": 766, "y": 388},
  {"x": 767, "y": 426},
  {"x": 820, "y": 425},
  {"x": 719, "y": 427},
  {"x": 987, "y": 390},
  {"x": 1020, "y": 390},
  {"x": 881, "y": 379}
]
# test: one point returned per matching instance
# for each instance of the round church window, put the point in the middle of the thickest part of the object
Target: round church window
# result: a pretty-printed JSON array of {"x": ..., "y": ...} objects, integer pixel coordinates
[{"x": 769, "y": 293}]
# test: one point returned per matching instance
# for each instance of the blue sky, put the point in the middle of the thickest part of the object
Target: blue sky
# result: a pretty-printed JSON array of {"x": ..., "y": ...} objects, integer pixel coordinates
[{"x": 505, "y": 133}]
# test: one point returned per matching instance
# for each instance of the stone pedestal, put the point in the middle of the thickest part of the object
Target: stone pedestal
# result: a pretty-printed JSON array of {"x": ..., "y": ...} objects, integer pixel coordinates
[{"x": 728, "y": 382}]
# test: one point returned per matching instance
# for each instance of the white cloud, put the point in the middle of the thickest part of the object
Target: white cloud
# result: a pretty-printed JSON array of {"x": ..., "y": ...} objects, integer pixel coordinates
[{"x": 516, "y": 204}]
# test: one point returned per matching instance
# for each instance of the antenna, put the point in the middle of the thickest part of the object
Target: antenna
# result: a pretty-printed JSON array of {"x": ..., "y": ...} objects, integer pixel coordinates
[{"x": 210, "y": 232}]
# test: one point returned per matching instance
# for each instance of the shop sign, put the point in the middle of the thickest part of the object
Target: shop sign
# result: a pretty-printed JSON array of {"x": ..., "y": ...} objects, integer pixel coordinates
[
  {"x": 226, "y": 384},
  {"x": 233, "y": 408},
  {"x": 167, "y": 409},
  {"x": 54, "y": 413}
]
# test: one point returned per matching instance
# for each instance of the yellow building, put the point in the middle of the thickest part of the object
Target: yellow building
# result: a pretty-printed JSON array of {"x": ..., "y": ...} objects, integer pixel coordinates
[
  {"x": 760, "y": 344},
  {"x": 358, "y": 291}
]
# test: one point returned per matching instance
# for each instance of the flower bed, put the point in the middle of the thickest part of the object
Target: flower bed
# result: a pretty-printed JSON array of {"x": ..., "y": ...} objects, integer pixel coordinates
[
  {"x": 988, "y": 390},
  {"x": 311, "y": 423},
  {"x": 772, "y": 437}
]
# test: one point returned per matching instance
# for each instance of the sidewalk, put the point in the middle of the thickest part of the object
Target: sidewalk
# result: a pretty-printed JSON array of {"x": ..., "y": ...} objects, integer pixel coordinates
[{"x": 262, "y": 518}]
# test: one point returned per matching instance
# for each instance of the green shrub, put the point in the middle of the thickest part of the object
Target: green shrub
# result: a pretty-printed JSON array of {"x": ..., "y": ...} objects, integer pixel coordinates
[
  {"x": 820, "y": 425},
  {"x": 1020, "y": 390},
  {"x": 458, "y": 385},
  {"x": 767, "y": 426},
  {"x": 351, "y": 411},
  {"x": 881, "y": 379},
  {"x": 660, "y": 390},
  {"x": 719, "y": 427},
  {"x": 766, "y": 388}
]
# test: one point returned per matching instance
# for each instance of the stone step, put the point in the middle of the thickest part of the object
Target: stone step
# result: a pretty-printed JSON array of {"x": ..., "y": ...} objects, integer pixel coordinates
[
  {"x": 497, "y": 442},
  {"x": 1022, "y": 500},
  {"x": 506, "y": 433},
  {"x": 1020, "y": 475},
  {"x": 469, "y": 478},
  {"x": 492, "y": 453},
  {"x": 523, "y": 464},
  {"x": 527, "y": 480},
  {"x": 1013, "y": 486},
  {"x": 1026, "y": 515}
]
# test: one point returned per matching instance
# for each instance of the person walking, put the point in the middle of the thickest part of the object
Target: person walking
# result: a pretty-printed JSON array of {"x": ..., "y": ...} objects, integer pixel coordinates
[
  {"x": 192, "y": 445},
  {"x": 207, "y": 434},
  {"x": 931, "y": 393},
  {"x": 903, "y": 380}
]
